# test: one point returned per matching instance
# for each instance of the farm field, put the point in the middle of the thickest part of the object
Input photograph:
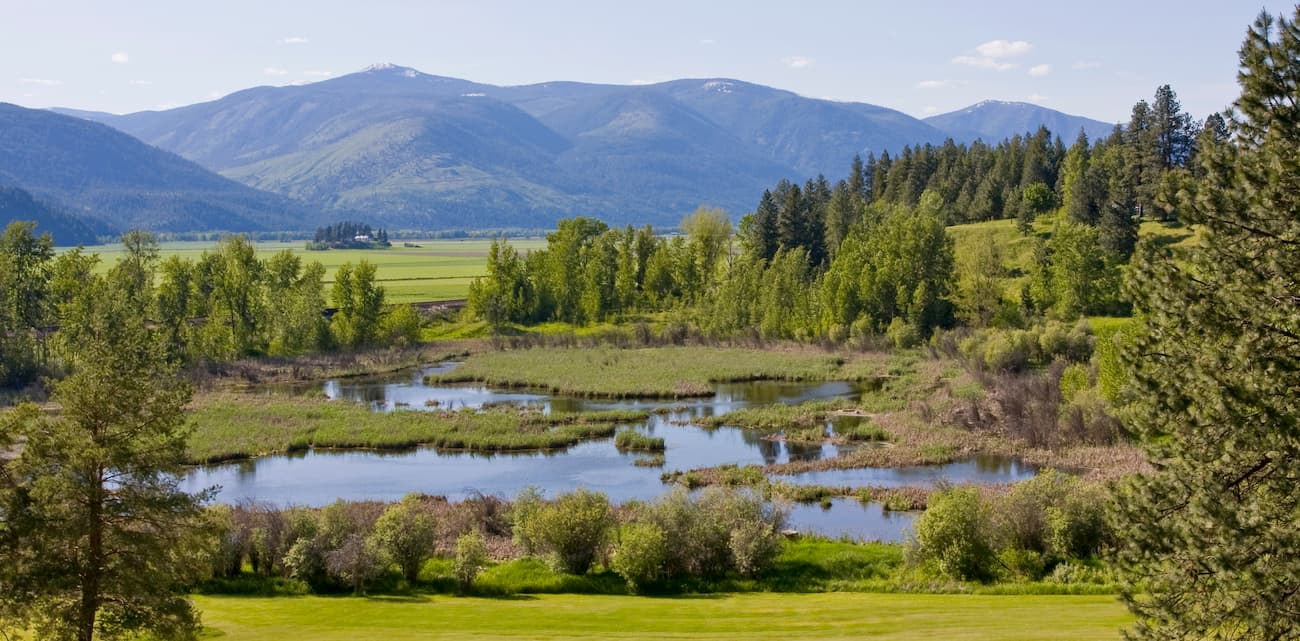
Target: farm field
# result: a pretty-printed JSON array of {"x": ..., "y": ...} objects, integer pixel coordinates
[
  {"x": 436, "y": 270},
  {"x": 749, "y": 616}
]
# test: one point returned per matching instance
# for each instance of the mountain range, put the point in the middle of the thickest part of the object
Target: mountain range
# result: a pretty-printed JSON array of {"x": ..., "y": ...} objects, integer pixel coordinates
[
  {"x": 92, "y": 177},
  {"x": 404, "y": 149}
]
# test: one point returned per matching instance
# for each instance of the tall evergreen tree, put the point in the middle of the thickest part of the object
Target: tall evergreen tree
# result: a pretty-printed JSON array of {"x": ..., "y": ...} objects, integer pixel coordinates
[
  {"x": 1174, "y": 130},
  {"x": 1210, "y": 547},
  {"x": 97, "y": 536}
]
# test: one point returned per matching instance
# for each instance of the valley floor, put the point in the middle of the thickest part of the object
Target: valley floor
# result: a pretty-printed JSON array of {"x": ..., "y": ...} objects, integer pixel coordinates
[{"x": 748, "y": 616}]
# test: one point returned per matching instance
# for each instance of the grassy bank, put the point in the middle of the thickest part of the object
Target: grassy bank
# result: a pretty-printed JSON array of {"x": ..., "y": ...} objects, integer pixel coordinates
[
  {"x": 749, "y": 616},
  {"x": 673, "y": 372},
  {"x": 233, "y": 426}
]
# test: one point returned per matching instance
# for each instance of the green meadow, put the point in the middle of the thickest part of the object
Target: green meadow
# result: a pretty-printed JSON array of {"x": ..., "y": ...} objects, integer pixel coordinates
[
  {"x": 755, "y": 616},
  {"x": 436, "y": 270}
]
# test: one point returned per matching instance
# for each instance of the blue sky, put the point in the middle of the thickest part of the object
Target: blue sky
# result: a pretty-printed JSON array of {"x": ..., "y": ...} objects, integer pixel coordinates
[{"x": 1091, "y": 58}]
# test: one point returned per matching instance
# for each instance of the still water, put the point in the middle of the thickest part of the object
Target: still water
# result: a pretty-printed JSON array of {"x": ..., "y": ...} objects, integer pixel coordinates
[{"x": 319, "y": 477}]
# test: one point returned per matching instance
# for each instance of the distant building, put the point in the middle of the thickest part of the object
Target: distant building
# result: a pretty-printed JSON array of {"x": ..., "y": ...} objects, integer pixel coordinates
[{"x": 362, "y": 238}]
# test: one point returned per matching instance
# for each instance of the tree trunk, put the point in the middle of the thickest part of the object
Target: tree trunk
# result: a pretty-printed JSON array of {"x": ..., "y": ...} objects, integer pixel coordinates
[{"x": 94, "y": 563}]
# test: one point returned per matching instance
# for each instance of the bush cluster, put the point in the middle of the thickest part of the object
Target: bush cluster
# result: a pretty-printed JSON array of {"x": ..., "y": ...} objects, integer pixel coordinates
[
  {"x": 1040, "y": 525},
  {"x": 1016, "y": 350},
  {"x": 707, "y": 534}
]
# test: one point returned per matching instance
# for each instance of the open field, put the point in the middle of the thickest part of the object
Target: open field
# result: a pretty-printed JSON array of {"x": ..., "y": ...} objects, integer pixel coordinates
[
  {"x": 436, "y": 270},
  {"x": 747, "y": 616}
]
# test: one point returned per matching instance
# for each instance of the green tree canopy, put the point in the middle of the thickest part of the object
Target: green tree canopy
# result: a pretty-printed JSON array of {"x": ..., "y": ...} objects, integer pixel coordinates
[
  {"x": 94, "y": 522},
  {"x": 1211, "y": 547}
]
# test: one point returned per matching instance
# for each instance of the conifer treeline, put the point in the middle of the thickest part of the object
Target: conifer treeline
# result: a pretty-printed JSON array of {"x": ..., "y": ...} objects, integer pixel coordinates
[
  {"x": 1112, "y": 183},
  {"x": 870, "y": 254}
]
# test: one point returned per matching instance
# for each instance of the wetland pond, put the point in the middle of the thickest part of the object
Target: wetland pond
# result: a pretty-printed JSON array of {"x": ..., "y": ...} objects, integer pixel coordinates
[{"x": 318, "y": 477}]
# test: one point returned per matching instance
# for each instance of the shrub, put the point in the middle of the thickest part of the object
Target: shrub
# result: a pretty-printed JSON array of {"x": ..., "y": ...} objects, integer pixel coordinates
[
  {"x": 701, "y": 531},
  {"x": 1075, "y": 378},
  {"x": 902, "y": 333},
  {"x": 953, "y": 534},
  {"x": 754, "y": 544},
  {"x": 401, "y": 325},
  {"x": 355, "y": 562},
  {"x": 1008, "y": 351},
  {"x": 1087, "y": 419},
  {"x": 471, "y": 558},
  {"x": 1077, "y": 527},
  {"x": 1054, "y": 514},
  {"x": 1026, "y": 564},
  {"x": 1076, "y": 573},
  {"x": 641, "y": 554},
  {"x": 407, "y": 533},
  {"x": 305, "y": 561},
  {"x": 573, "y": 529}
]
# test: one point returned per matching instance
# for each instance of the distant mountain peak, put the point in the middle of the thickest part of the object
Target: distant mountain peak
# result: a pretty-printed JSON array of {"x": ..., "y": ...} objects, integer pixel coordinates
[
  {"x": 390, "y": 67},
  {"x": 998, "y": 103},
  {"x": 720, "y": 86},
  {"x": 994, "y": 120}
]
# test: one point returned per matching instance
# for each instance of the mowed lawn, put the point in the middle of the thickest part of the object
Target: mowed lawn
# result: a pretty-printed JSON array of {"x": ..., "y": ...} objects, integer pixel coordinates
[
  {"x": 742, "y": 616},
  {"x": 436, "y": 270}
]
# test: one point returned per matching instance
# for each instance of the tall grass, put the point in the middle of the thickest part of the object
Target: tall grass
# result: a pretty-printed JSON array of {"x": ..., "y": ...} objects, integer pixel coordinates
[
  {"x": 232, "y": 426},
  {"x": 632, "y": 441},
  {"x": 672, "y": 372}
]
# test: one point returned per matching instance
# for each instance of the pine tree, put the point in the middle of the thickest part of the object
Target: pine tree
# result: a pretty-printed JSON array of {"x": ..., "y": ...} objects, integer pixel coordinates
[
  {"x": 763, "y": 239},
  {"x": 96, "y": 538},
  {"x": 1173, "y": 129},
  {"x": 1210, "y": 547}
]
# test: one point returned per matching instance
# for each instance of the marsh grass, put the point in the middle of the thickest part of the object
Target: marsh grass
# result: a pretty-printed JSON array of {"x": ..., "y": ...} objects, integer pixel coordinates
[
  {"x": 633, "y": 441},
  {"x": 803, "y": 422},
  {"x": 661, "y": 372},
  {"x": 654, "y": 460},
  {"x": 779, "y": 416},
  {"x": 234, "y": 426}
]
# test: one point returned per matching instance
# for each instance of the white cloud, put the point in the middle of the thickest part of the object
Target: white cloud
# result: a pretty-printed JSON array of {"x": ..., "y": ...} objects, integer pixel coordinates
[
  {"x": 1004, "y": 48},
  {"x": 142, "y": 83},
  {"x": 294, "y": 40},
  {"x": 796, "y": 62},
  {"x": 994, "y": 54},
  {"x": 1085, "y": 64},
  {"x": 983, "y": 63},
  {"x": 1040, "y": 70},
  {"x": 708, "y": 41},
  {"x": 933, "y": 84},
  {"x": 318, "y": 73},
  {"x": 40, "y": 81},
  {"x": 1037, "y": 97},
  {"x": 164, "y": 106},
  {"x": 121, "y": 58},
  {"x": 274, "y": 71},
  {"x": 930, "y": 111}
]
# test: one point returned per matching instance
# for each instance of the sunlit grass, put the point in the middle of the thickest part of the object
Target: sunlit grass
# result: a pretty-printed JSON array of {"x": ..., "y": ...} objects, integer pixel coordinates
[
  {"x": 229, "y": 426},
  {"x": 737, "y": 616},
  {"x": 436, "y": 270},
  {"x": 659, "y": 372}
]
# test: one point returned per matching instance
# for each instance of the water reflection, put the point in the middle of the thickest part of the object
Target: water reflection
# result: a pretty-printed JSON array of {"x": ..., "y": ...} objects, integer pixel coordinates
[
  {"x": 848, "y": 518},
  {"x": 983, "y": 469},
  {"x": 320, "y": 477}
]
